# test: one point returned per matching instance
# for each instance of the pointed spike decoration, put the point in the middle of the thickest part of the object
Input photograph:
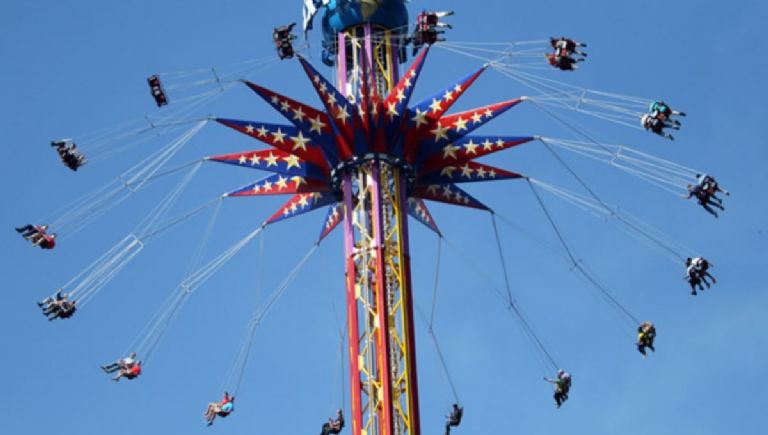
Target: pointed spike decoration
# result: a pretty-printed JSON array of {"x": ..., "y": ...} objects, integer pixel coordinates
[
  {"x": 417, "y": 208},
  {"x": 436, "y": 105},
  {"x": 283, "y": 137},
  {"x": 300, "y": 204},
  {"x": 312, "y": 122},
  {"x": 449, "y": 194},
  {"x": 272, "y": 161},
  {"x": 279, "y": 184},
  {"x": 470, "y": 148},
  {"x": 332, "y": 219},
  {"x": 468, "y": 172}
]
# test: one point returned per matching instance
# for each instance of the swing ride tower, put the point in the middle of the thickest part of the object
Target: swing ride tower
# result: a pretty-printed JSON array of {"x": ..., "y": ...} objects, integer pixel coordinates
[{"x": 382, "y": 348}]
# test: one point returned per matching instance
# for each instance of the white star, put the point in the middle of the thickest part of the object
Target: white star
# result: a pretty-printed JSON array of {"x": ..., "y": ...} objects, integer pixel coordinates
[
  {"x": 291, "y": 161},
  {"x": 249, "y": 129},
  {"x": 470, "y": 147},
  {"x": 287, "y": 211},
  {"x": 488, "y": 113},
  {"x": 420, "y": 118},
  {"x": 274, "y": 99},
  {"x": 299, "y": 141},
  {"x": 317, "y": 125},
  {"x": 481, "y": 172},
  {"x": 256, "y": 188},
  {"x": 400, "y": 96},
  {"x": 440, "y": 132},
  {"x": 331, "y": 99},
  {"x": 392, "y": 111},
  {"x": 323, "y": 88},
  {"x": 460, "y": 124},
  {"x": 278, "y": 136},
  {"x": 436, "y": 106},
  {"x": 466, "y": 171},
  {"x": 303, "y": 201},
  {"x": 492, "y": 174},
  {"x": 298, "y": 114},
  {"x": 432, "y": 188},
  {"x": 457, "y": 88},
  {"x": 342, "y": 114},
  {"x": 476, "y": 117},
  {"x": 284, "y": 106},
  {"x": 298, "y": 180},
  {"x": 447, "y": 192},
  {"x": 255, "y": 160},
  {"x": 281, "y": 182},
  {"x": 487, "y": 145},
  {"x": 407, "y": 83},
  {"x": 448, "y": 96},
  {"x": 499, "y": 143},
  {"x": 262, "y": 131},
  {"x": 267, "y": 186},
  {"x": 271, "y": 160},
  {"x": 450, "y": 151},
  {"x": 294, "y": 207},
  {"x": 242, "y": 160},
  {"x": 448, "y": 171},
  {"x": 316, "y": 79}
]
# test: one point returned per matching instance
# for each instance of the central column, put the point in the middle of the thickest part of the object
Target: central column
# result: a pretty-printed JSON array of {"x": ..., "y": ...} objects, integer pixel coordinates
[{"x": 382, "y": 359}]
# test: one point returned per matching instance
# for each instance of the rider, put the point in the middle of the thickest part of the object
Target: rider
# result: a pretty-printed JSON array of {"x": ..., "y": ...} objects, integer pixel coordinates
[
  {"x": 221, "y": 409},
  {"x": 693, "y": 277},
  {"x": 562, "y": 386},
  {"x": 704, "y": 198},
  {"x": 122, "y": 363},
  {"x": 711, "y": 186},
  {"x": 283, "y": 39},
  {"x": 454, "y": 418},
  {"x": 660, "y": 109},
  {"x": 566, "y": 47},
  {"x": 646, "y": 333},
  {"x": 334, "y": 426},
  {"x": 43, "y": 240},
  {"x": 130, "y": 373},
  {"x": 69, "y": 153},
  {"x": 657, "y": 125},
  {"x": 58, "y": 306},
  {"x": 563, "y": 63},
  {"x": 702, "y": 268},
  {"x": 29, "y": 230}
]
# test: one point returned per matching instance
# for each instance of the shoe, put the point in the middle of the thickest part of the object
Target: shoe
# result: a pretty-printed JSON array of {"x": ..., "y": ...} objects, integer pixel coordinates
[
  {"x": 693, "y": 293},
  {"x": 682, "y": 114}
]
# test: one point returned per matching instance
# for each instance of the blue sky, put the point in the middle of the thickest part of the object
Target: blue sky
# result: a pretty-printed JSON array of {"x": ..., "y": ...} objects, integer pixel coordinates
[{"x": 80, "y": 66}]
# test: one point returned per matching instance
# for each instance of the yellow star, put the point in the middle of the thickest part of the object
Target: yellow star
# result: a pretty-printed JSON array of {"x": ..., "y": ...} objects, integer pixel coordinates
[
  {"x": 470, "y": 147},
  {"x": 487, "y": 145},
  {"x": 448, "y": 171},
  {"x": 432, "y": 188},
  {"x": 298, "y": 114},
  {"x": 440, "y": 132},
  {"x": 476, "y": 117},
  {"x": 488, "y": 113},
  {"x": 447, "y": 192},
  {"x": 298, "y": 180},
  {"x": 242, "y": 160},
  {"x": 436, "y": 106},
  {"x": 262, "y": 131},
  {"x": 400, "y": 96},
  {"x": 342, "y": 114},
  {"x": 420, "y": 118},
  {"x": 466, "y": 171},
  {"x": 279, "y": 136},
  {"x": 286, "y": 211},
  {"x": 331, "y": 99},
  {"x": 255, "y": 160},
  {"x": 299, "y": 141},
  {"x": 460, "y": 124},
  {"x": 267, "y": 186},
  {"x": 323, "y": 88},
  {"x": 316, "y": 79},
  {"x": 271, "y": 160},
  {"x": 481, "y": 172},
  {"x": 281, "y": 182},
  {"x": 448, "y": 96},
  {"x": 450, "y": 151},
  {"x": 294, "y": 207},
  {"x": 499, "y": 143},
  {"x": 256, "y": 188},
  {"x": 303, "y": 201},
  {"x": 291, "y": 161},
  {"x": 457, "y": 88},
  {"x": 392, "y": 111},
  {"x": 249, "y": 129},
  {"x": 317, "y": 125},
  {"x": 407, "y": 83},
  {"x": 284, "y": 106}
]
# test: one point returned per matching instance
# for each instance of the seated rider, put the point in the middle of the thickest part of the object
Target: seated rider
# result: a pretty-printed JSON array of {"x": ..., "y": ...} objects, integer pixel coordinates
[
  {"x": 660, "y": 109},
  {"x": 693, "y": 277},
  {"x": 426, "y": 32},
  {"x": 646, "y": 333},
  {"x": 283, "y": 39},
  {"x": 58, "y": 306},
  {"x": 69, "y": 153},
  {"x": 566, "y": 47},
  {"x": 702, "y": 268},
  {"x": 656, "y": 125},
  {"x": 29, "y": 230},
  {"x": 122, "y": 363},
  {"x": 43, "y": 240},
  {"x": 562, "y": 386},
  {"x": 708, "y": 184},
  {"x": 221, "y": 409},
  {"x": 704, "y": 199},
  {"x": 130, "y": 373},
  {"x": 454, "y": 418},
  {"x": 563, "y": 63},
  {"x": 334, "y": 426}
]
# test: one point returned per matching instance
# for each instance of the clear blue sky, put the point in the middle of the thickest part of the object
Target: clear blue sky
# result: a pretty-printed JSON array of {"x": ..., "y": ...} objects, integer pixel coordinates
[{"x": 72, "y": 67}]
